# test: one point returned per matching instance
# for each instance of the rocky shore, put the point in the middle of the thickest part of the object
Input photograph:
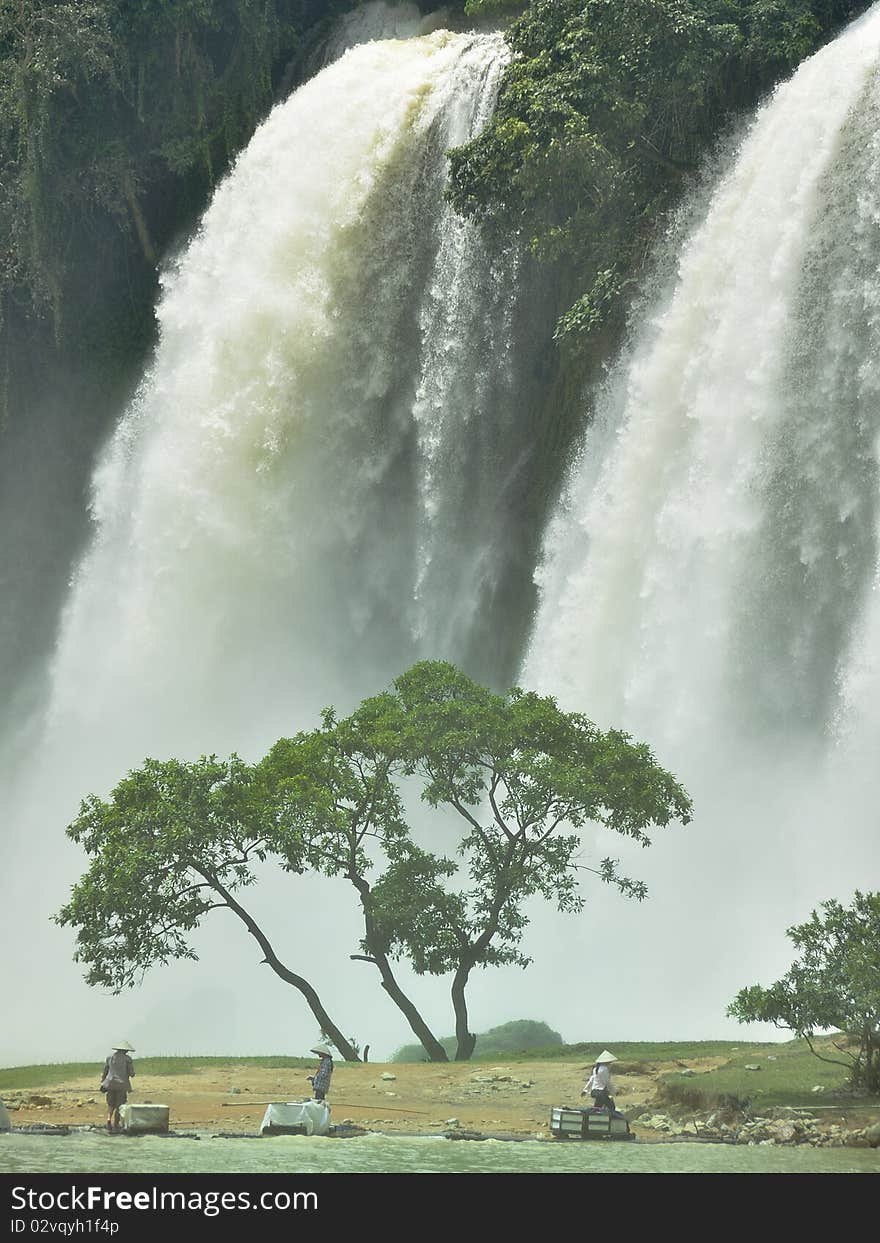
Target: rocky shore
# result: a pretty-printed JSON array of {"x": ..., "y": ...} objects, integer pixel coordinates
[
  {"x": 781, "y": 1126},
  {"x": 462, "y": 1100}
]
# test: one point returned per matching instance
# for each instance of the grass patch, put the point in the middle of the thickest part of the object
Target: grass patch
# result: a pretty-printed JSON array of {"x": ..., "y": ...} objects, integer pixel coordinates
[
  {"x": 630, "y": 1052},
  {"x": 16, "y": 1078},
  {"x": 787, "y": 1075}
]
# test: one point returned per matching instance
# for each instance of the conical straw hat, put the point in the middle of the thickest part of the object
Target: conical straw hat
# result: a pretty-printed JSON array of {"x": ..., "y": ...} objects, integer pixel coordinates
[
  {"x": 125, "y": 1045},
  {"x": 605, "y": 1056}
]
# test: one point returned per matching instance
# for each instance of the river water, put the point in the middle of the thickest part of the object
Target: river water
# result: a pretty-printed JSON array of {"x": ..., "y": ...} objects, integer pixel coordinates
[{"x": 95, "y": 1153}]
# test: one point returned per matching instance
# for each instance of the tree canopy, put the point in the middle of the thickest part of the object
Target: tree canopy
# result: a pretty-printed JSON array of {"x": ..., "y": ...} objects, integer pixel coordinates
[
  {"x": 834, "y": 985},
  {"x": 525, "y": 778},
  {"x": 178, "y": 840}
]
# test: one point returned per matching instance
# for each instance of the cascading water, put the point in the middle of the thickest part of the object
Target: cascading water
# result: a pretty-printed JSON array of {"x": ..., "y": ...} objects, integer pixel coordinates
[
  {"x": 710, "y": 579},
  {"x": 272, "y": 507},
  {"x": 307, "y": 492},
  {"x": 368, "y": 22},
  {"x": 317, "y": 482}
]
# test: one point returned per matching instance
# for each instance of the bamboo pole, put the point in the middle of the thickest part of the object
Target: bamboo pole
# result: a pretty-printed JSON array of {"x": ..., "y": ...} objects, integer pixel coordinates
[{"x": 377, "y": 1108}]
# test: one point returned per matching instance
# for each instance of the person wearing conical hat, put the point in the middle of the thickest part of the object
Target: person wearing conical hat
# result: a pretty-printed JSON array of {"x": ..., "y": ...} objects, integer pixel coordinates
[
  {"x": 599, "y": 1084},
  {"x": 320, "y": 1080},
  {"x": 116, "y": 1081}
]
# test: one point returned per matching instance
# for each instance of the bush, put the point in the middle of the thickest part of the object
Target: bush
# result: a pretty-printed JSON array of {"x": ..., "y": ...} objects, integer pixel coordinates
[{"x": 517, "y": 1036}]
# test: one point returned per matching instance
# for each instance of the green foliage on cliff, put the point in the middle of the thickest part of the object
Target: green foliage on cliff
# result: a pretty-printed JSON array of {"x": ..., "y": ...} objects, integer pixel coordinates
[
  {"x": 603, "y": 110},
  {"x": 116, "y": 117}
]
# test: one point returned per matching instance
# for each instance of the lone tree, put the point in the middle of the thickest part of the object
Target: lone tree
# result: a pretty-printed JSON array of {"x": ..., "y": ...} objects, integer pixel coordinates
[
  {"x": 519, "y": 772},
  {"x": 833, "y": 986},
  {"x": 173, "y": 842},
  {"x": 176, "y": 841},
  {"x": 328, "y": 799}
]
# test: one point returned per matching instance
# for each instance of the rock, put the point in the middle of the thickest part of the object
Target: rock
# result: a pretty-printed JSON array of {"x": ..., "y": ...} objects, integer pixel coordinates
[
  {"x": 872, "y": 1135},
  {"x": 388, "y": 1077},
  {"x": 235, "y": 1091},
  {"x": 751, "y": 1067},
  {"x": 451, "y": 1122},
  {"x": 687, "y": 1071},
  {"x": 771, "y": 1057}
]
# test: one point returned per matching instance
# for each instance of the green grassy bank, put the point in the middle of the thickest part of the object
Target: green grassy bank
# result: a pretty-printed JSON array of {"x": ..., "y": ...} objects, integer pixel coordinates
[{"x": 787, "y": 1073}]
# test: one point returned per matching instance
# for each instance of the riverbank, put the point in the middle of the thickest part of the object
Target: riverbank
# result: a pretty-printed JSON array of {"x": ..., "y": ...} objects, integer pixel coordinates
[{"x": 664, "y": 1098}]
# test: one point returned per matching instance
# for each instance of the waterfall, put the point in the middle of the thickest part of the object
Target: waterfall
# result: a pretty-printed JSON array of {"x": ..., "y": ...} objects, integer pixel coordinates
[
  {"x": 306, "y": 493},
  {"x": 367, "y": 23},
  {"x": 278, "y": 516},
  {"x": 709, "y": 581}
]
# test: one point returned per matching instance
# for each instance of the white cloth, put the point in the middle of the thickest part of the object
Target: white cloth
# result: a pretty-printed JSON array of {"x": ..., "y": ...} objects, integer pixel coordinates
[
  {"x": 312, "y": 1116},
  {"x": 600, "y": 1079}
]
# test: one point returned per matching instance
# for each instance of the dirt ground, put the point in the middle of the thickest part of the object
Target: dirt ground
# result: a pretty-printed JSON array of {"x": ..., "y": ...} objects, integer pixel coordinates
[{"x": 509, "y": 1099}]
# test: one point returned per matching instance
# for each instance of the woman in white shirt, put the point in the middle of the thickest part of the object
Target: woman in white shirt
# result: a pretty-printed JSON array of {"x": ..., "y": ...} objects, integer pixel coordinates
[{"x": 599, "y": 1084}]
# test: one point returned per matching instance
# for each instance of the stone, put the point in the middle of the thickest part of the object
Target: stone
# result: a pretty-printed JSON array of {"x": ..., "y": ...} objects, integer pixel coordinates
[
  {"x": 751, "y": 1066},
  {"x": 819, "y": 1087},
  {"x": 872, "y": 1135},
  {"x": 387, "y": 1076},
  {"x": 452, "y": 1122}
]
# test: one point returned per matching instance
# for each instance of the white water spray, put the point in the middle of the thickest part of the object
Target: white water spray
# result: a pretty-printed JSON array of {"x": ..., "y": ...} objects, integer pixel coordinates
[
  {"x": 269, "y": 511},
  {"x": 716, "y": 547},
  {"x": 299, "y": 501}
]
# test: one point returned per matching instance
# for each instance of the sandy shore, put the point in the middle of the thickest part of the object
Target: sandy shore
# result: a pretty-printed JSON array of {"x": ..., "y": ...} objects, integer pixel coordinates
[{"x": 513, "y": 1098}]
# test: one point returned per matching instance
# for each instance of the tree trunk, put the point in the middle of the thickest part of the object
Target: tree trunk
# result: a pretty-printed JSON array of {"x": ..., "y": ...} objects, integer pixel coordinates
[
  {"x": 313, "y": 1001},
  {"x": 379, "y": 958},
  {"x": 466, "y": 1040}
]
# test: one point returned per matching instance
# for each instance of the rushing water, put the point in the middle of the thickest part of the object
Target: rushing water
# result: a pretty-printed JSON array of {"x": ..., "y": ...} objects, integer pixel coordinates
[
  {"x": 380, "y": 1154},
  {"x": 319, "y": 482},
  {"x": 710, "y": 579},
  {"x": 312, "y": 487}
]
